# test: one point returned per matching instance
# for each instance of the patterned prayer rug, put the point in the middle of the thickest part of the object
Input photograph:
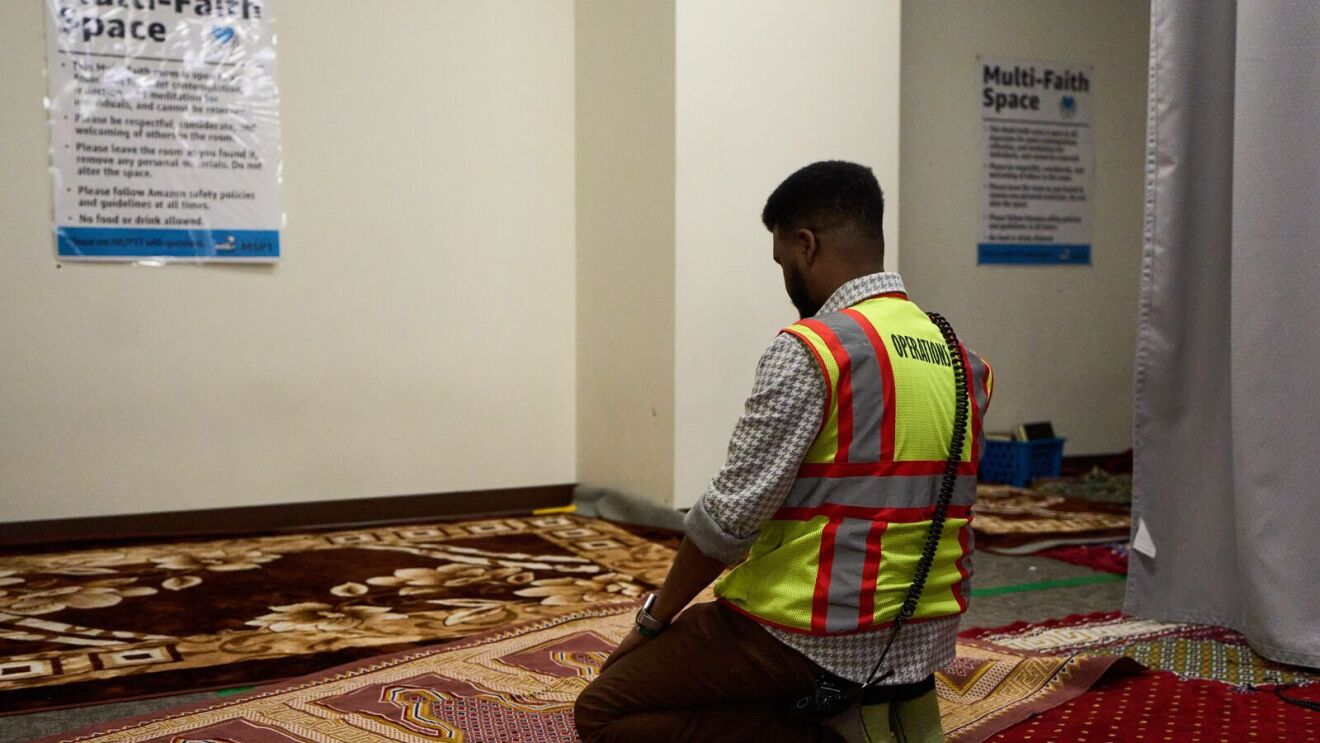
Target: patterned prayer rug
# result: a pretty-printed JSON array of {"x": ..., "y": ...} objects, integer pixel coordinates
[
  {"x": 1189, "y": 651},
  {"x": 1083, "y": 520},
  {"x": 519, "y": 684},
  {"x": 1107, "y": 558},
  {"x": 90, "y": 626},
  {"x": 1205, "y": 683},
  {"x": 1096, "y": 486},
  {"x": 1014, "y": 521},
  {"x": 990, "y": 687}
]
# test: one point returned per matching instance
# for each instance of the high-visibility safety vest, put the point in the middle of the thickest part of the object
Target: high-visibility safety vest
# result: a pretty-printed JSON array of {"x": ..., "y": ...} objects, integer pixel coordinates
[{"x": 839, "y": 555}]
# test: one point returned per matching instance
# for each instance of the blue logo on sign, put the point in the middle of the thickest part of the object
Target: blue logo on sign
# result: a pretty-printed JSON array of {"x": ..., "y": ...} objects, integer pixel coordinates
[
  {"x": 1068, "y": 106},
  {"x": 223, "y": 34}
]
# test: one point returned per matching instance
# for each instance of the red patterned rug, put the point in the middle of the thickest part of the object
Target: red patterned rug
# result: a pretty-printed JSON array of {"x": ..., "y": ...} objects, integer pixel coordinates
[
  {"x": 1204, "y": 683},
  {"x": 1016, "y": 521},
  {"x": 83, "y": 627},
  {"x": 1107, "y": 558},
  {"x": 516, "y": 684},
  {"x": 1190, "y": 651},
  {"x": 991, "y": 687},
  {"x": 519, "y": 684},
  {"x": 1159, "y": 706}
]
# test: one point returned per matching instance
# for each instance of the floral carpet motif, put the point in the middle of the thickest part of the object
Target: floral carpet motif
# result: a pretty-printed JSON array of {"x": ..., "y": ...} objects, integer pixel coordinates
[
  {"x": 83, "y": 627},
  {"x": 1083, "y": 520},
  {"x": 519, "y": 684},
  {"x": 1016, "y": 521}
]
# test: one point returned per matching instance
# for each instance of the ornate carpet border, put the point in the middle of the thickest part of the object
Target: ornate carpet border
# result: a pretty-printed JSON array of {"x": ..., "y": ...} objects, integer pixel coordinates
[{"x": 340, "y": 673}]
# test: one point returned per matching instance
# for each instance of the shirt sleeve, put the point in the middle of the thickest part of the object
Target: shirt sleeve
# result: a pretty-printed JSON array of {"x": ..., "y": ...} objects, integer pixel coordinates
[{"x": 779, "y": 422}]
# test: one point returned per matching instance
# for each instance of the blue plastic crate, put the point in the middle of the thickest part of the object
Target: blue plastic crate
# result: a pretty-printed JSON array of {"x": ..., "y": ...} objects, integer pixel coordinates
[{"x": 1018, "y": 462}]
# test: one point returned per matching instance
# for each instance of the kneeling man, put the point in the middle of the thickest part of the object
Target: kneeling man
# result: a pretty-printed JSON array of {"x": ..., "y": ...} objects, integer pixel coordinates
[{"x": 824, "y": 507}]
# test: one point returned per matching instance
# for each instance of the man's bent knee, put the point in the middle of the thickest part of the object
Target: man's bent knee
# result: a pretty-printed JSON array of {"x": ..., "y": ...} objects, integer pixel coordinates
[{"x": 591, "y": 713}]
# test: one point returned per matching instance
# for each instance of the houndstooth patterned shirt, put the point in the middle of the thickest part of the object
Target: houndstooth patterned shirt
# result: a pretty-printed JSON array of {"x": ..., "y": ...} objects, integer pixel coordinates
[{"x": 780, "y": 421}]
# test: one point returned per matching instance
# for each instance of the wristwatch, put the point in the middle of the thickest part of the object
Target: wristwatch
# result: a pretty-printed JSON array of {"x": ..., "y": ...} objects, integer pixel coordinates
[{"x": 647, "y": 625}]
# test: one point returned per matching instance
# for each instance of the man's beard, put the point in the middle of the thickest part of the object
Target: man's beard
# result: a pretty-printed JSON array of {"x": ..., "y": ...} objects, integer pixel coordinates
[{"x": 797, "y": 294}]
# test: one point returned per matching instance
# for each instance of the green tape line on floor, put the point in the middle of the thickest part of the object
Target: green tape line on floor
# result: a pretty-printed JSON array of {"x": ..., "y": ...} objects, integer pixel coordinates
[
  {"x": 231, "y": 692},
  {"x": 1081, "y": 580}
]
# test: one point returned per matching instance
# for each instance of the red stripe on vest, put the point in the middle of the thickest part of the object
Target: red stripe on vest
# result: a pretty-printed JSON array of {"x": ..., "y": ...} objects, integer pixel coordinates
[
  {"x": 842, "y": 360},
  {"x": 887, "y": 423},
  {"x": 837, "y": 513},
  {"x": 824, "y": 373},
  {"x": 820, "y": 599},
  {"x": 870, "y": 574},
  {"x": 929, "y": 468},
  {"x": 798, "y": 630}
]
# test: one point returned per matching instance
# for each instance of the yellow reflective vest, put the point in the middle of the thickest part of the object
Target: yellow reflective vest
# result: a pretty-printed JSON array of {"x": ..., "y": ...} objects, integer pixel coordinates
[{"x": 839, "y": 555}]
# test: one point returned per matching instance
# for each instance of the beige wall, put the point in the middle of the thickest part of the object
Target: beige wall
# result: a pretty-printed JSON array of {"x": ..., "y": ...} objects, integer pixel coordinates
[
  {"x": 1061, "y": 339},
  {"x": 625, "y": 259},
  {"x": 689, "y": 114},
  {"x": 763, "y": 88},
  {"x": 418, "y": 335}
]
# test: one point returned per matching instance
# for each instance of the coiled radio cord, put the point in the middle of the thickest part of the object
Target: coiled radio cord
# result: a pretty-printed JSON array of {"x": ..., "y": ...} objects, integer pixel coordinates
[{"x": 956, "y": 444}]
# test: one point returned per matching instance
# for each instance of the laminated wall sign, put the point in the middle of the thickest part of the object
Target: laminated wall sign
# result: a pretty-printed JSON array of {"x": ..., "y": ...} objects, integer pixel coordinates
[
  {"x": 165, "y": 129},
  {"x": 1037, "y": 160}
]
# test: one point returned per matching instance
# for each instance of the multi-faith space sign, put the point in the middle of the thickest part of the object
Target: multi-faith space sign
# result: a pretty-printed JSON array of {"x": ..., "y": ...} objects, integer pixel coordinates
[
  {"x": 1037, "y": 162},
  {"x": 165, "y": 129},
  {"x": 145, "y": 28}
]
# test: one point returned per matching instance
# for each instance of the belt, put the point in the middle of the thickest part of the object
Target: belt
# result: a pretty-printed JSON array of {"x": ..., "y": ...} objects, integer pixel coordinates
[{"x": 898, "y": 692}]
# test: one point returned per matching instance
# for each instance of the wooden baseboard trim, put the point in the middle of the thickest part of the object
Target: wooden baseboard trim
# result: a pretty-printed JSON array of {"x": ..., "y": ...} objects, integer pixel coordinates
[{"x": 26, "y": 536}]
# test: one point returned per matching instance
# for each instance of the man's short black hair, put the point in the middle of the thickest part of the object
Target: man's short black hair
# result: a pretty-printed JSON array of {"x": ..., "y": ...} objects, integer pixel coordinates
[{"x": 831, "y": 193}]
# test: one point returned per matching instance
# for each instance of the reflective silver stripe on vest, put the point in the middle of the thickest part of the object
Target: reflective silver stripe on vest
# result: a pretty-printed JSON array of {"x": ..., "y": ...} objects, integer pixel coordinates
[
  {"x": 846, "y": 575},
  {"x": 978, "y": 389},
  {"x": 877, "y": 492},
  {"x": 868, "y": 403}
]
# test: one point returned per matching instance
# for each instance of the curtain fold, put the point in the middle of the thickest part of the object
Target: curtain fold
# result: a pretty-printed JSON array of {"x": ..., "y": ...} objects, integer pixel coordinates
[{"x": 1226, "y": 508}]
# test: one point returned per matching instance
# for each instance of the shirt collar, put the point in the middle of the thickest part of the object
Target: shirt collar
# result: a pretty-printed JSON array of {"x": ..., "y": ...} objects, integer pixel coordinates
[{"x": 860, "y": 288}]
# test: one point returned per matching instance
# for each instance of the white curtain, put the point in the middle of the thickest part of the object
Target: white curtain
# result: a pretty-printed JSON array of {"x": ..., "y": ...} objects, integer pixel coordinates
[{"x": 1226, "y": 501}]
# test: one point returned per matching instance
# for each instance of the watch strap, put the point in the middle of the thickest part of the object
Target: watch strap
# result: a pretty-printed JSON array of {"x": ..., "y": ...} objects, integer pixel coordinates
[{"x": 647, "y": 625}]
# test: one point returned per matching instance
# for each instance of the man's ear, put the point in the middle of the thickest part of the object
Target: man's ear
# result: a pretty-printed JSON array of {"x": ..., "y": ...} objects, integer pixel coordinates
[{"x": 807, "y": 244}]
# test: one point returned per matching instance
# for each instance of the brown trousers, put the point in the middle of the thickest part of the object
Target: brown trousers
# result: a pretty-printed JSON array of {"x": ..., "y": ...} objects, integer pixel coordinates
[{"x": 714, "y": 675}]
